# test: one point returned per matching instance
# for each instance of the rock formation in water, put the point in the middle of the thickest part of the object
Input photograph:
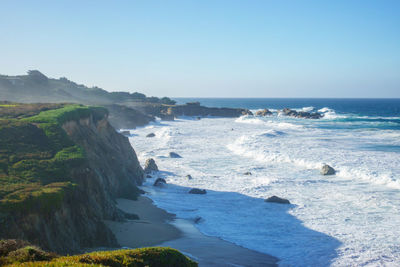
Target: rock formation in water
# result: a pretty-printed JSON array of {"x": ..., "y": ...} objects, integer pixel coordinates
[
  {"x": 275, "y": 199},
  {"x": 301, "y": 114},
  {"x": 197, "y": 191},
  {"x": 264, "y": 112},
  {"x": 150, "y": 166},
  {"x": 327, "y": 170}
]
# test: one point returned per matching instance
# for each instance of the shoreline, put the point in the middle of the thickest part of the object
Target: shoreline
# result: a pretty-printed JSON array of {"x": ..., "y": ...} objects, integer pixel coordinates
[{"x": 157, "y": 227}]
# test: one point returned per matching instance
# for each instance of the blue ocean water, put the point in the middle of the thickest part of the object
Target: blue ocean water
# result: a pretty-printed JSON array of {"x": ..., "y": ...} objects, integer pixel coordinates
[
  {"x": 348, "y": 219},
  {"x": 363, "y": 112},
  {"x": 384, "y": 107}
]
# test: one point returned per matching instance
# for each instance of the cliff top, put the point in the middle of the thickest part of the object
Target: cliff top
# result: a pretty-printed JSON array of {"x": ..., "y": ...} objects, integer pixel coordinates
[{"x": 36, "y": 154}]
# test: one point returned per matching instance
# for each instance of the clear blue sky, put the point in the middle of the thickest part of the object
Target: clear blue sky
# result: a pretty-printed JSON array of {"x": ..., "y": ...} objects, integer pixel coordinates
[{"x": 209, "y": 48}]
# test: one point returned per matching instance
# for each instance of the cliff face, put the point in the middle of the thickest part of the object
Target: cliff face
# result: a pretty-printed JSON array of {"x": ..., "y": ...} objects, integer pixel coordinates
[{"x": 110, "y": 170}]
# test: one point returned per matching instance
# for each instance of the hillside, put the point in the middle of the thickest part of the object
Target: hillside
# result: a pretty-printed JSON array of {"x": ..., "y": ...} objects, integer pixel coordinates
[
  {"x": 127, "y": 110},
  {"x": 36, "y": 87},
  {"x": 61, "y": 168}
]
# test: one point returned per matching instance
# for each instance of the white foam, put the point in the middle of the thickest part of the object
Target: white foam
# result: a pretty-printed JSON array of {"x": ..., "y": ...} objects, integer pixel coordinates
[
  {"x": 307, "y": 109},
  {"x": 349, "y": 219}
]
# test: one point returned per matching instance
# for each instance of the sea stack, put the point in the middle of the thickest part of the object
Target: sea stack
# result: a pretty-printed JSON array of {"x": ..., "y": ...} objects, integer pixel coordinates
[
  {"x": 327, "y": 170},
  {"x": 150, "y": 166}
]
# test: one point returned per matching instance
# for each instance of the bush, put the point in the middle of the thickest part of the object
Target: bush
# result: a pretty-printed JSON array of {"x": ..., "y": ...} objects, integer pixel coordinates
[{"x": 152, "y": 257}]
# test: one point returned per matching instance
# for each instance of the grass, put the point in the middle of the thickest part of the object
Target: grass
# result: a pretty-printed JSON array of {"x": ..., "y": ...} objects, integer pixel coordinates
[
  {"x": 20, "y": 253},
  {"x": 36, "y": 155}
]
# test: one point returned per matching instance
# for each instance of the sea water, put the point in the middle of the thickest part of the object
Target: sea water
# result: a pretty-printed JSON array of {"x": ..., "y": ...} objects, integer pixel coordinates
[{"x": 349, "y": 219}]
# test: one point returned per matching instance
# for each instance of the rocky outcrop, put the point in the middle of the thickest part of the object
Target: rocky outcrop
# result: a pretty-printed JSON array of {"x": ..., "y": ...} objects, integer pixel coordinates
[
  {"x": 174, "y": 155},
  {"x": 189, "y": 177},
  {"x": 188, "y": 109},
  {"x": 275, "y": 199},
  {"x": 247, "y": 173},
  {"x": 160, "y": 182},
  {"x": 327, "y": 170},
  {"x": 301, "y": 114},
  {"x": 197, "y": 191},
  {"x": 150, "y": 166},
  {"x": 122, "y": 117},
  {"x": 264, "y": 112},
  {"x": 151, "y": 135}
]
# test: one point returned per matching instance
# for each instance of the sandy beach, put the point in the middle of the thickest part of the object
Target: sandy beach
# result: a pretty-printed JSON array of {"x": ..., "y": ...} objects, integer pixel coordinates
[{"x": 156, "y": 227}]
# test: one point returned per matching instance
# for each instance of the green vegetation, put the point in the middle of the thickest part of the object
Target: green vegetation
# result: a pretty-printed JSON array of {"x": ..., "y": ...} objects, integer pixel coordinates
[
  {"x": 36, "y": 154},
  {"x": 20, "y": 253}
]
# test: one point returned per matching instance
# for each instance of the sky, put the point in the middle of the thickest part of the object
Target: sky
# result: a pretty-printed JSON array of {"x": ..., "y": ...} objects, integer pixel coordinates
[{"x": 209, "y": 48}]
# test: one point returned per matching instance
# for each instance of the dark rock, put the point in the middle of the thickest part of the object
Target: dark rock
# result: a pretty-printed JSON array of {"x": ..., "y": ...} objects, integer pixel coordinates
[
  {"x": 194, "y": 109},
  {"x": 150, "y": 135},
  {"x": 247, "y": 173},
  {"x": 275, "y": 199},
  {"x": 149, "y": 176},
  {"x": 189, "y": 177},
  {"x": 150, "y": 166},
  {"x": 197, "y": 219},
  {"x": 160, "y": 182},
  {"x": 301, "y": 114},
  {"x": 327, "y": 170},
  {"x": 264, "y": 112},
  {"x": 289, "y": 112},
  {"x": 197, "y": 191},
  {"x": 247, "y": 112},
  {"x": 174, "y": 155}
]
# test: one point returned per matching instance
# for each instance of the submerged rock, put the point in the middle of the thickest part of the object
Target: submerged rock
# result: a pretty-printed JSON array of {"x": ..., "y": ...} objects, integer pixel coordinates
[
  {"x": 197, "y": 219},
  {"x": 150, "y": 166},
  {"x": 160, "y": 182},
  {"x": 327, "y": 170},
  {"x": 264, "y": 112},
  {"x": 275, "y": 199},
  {"x": 149, "y": 176},
  {"x": 197, "y": 191},
  {"x": 174, "y": 155}
]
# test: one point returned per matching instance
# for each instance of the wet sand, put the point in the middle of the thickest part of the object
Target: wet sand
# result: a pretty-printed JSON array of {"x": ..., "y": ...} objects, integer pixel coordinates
[{"x": 157, "y": 227}]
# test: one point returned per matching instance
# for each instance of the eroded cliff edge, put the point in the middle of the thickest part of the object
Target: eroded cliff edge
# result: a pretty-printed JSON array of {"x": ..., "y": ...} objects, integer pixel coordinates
[{"x": 61, "y": 169}]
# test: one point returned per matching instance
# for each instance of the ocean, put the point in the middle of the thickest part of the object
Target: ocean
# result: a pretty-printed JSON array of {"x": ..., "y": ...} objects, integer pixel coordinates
[{"x": 349, "y": 219}]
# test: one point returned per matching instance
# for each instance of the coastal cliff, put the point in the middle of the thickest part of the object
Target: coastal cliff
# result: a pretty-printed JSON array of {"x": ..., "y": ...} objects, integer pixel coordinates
[
  {"x": 168, "y": 112},
  {"x": 61, "y": 169}
]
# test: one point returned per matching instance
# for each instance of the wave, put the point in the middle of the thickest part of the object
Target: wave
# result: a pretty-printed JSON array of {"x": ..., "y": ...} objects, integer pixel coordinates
[
  {"x": 273, "y": 133},
  {"x": 330, "y": 114},
  {"x": 249, "y": 119},
  {"x": 307, "y": 109},
  {"x": 251, "y": 146}
]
